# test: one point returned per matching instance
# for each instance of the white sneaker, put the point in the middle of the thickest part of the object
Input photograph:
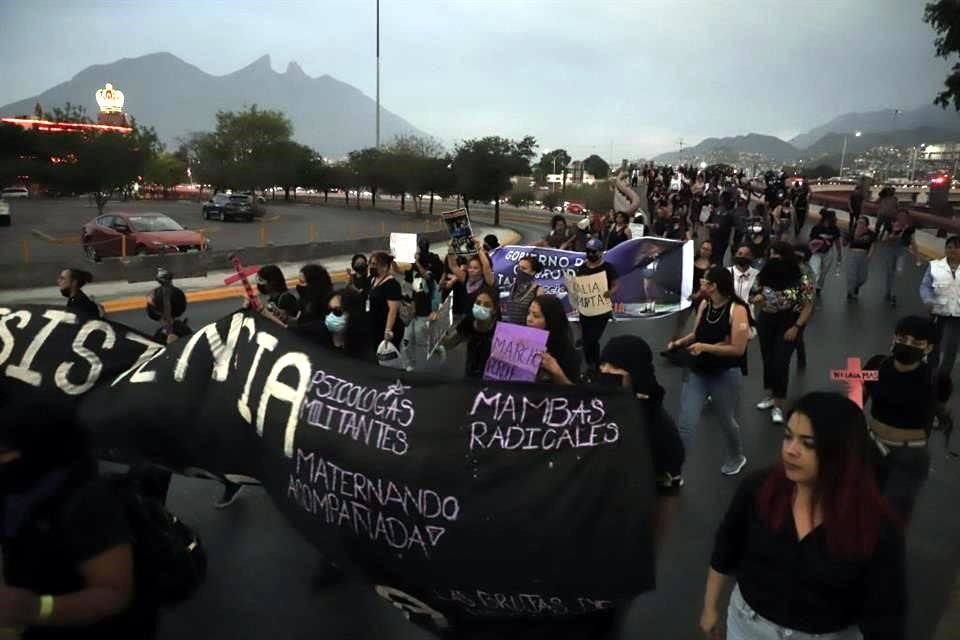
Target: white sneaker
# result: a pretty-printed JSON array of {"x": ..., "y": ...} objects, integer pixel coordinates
[
  {"x": 765, "y": 404},
  {"x": 777, "y": 415}
]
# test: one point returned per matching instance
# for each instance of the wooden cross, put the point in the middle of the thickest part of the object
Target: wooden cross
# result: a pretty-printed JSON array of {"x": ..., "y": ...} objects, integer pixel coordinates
[
  {"x": 854, "y": 376},
  {"x": 242, "y": 275}
]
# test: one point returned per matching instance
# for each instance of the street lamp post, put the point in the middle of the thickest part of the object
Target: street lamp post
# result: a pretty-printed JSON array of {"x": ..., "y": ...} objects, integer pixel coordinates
[
  {"x": 378, "y": 74},
  {"x": 843, "y": 154}
]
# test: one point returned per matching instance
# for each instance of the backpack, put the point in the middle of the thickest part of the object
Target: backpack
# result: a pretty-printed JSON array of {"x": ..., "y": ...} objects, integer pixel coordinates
[
  {"x": 408, "y": 310},
  {"x": 169, "y": 560}
]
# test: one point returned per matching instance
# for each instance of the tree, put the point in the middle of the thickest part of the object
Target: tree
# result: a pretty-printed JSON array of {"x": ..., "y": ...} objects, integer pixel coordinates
[
  {"x": 68, "y": 113},
  {"x": 552, "y": 199},
  {"x": 166, "y": 170},
  {"x": 547, "y": 165},
  {"x": 597, "y": 167},
  {"x": 371, "y": 167},
  {"x": 483, "y": 167},
  {"x": 410, "y": 166},
  {"x": 944, "y": 17},
  {"x": 521, "y": 197},
  {"x": 288, "y": 164}
]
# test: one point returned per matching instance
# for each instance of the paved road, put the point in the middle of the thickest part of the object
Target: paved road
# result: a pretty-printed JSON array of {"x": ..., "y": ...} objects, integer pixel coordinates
[{"x": 260, "y": 569}]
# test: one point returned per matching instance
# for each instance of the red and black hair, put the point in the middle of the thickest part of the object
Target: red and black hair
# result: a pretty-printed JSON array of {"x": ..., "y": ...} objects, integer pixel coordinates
[{"x": 854, "y": 511}]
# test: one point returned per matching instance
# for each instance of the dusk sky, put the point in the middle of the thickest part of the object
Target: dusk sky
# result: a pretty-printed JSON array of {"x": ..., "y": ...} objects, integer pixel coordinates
[{"x": 578, "y": 74}]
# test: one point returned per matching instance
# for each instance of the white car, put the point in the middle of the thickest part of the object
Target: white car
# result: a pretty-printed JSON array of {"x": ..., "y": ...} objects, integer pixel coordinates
[{"x": 15, "y": 192}]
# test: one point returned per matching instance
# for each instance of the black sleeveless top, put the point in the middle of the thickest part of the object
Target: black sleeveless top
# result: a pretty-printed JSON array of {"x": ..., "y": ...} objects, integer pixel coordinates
[{"x": 714, "y": 328}]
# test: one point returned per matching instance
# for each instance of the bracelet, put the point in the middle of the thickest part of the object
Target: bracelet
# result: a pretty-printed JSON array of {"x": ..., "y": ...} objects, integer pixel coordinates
[{"x": 46, "y": 608}]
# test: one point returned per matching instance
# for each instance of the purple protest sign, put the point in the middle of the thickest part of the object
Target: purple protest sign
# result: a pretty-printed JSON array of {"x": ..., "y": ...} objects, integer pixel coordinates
[
  {"x": 516, "y": 353},
  {"x": 655, "y": 275}
]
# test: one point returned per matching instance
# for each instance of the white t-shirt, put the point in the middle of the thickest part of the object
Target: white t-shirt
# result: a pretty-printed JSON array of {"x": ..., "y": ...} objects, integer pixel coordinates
[{"x": 743, "y": 282}]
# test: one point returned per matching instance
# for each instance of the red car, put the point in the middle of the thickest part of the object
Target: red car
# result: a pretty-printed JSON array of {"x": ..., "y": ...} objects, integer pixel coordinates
[{"x": 145, "y": 233}]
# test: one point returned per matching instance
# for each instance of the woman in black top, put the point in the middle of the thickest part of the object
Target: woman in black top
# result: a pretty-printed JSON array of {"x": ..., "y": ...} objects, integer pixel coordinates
[
  {"x": 384, "y": 301},
  {"x": 71, "y": 282},
  {"x": 620, "y": 231},
  {"x": 592, "y": 327},
  {"x": 718, "y": 345},
  {"x": 280, "y": 305},
  {"x": 359, "y": 276},
  {"x": 560, "y": 364},
  {"x": 477, "y": 331},
  {"x": 814, "y": 547},
  {"x": 313, "y": 290},
  {"x": 342, "y": 326},
  {"x": 860, "y": 242},
  {"x": 67, "y": 547}
]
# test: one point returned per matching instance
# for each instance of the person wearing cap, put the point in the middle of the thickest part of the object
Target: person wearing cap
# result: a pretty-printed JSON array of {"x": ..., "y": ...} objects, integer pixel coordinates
[
  {"x": 166, "y": 304},
  {"x": 824, "y": 237},
  {"x": 592, "y": 327}
]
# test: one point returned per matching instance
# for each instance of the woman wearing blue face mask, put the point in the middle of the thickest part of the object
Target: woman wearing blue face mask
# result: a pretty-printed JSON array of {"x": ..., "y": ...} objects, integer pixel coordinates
[
  {"x": 345, "y": 326},
  {"x": 476, "y": 330}
]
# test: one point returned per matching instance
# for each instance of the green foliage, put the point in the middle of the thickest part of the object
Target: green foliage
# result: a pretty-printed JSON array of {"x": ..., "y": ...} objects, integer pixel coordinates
[
  {"x": 597, "y": 167},
  {"x": 166, "y": 170},
  {"x": 547, "y": 165},
  {"x": 595, "y": 197},
  {"x": 553, "y": 199},
  {"x": 69, "y": 113},
  {"x": 521, "y": 197},
  {"x": 944, "y": 17}
]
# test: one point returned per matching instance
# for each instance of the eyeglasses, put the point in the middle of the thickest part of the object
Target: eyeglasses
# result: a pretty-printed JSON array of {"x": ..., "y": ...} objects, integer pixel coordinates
[{"x": 337, "y": 311}]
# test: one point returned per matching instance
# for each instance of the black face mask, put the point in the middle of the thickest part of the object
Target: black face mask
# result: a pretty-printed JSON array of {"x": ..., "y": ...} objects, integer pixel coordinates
[
  {"x": 593, "y": 256},
  {"x": 610, "y": 380},
  {"x": 360, "y": 270},
  {"x": 262, "y": 288},
  {"x": 424, "y": 249},
  {"x": 65, "y": 292},
  {"x": 742, "y": 261},
  {"x": 907, "y": 354}
]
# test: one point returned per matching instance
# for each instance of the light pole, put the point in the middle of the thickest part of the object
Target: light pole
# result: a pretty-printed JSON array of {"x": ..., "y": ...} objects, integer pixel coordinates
[
  {"x": 843, "y": 154},
  {"x": 378, "y": 74}
]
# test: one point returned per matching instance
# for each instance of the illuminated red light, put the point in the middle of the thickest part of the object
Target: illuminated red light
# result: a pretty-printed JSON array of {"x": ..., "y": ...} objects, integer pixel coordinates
[{"x": 46, "y": 125}]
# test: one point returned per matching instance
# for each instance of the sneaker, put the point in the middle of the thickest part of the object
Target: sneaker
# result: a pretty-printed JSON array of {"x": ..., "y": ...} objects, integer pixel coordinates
[
  {"x": 230, "y": 493},
  {"x": 765, "y": 404},
  {"x": 733, "y": 466},
  {"x": 777, "y": 415}
]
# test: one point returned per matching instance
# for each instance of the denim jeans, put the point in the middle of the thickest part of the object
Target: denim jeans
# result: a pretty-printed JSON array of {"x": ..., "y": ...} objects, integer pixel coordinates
[
  {"x": 724, "y": 391},
  {"x": 857, "y": 269},
  {"x": 743, "y": 623},
  {"x": 948, "y": 342},
  {"x": 821, "y": 264},
  {"x": 891, "y": 259},
  {"x": 415, "y": 343}
]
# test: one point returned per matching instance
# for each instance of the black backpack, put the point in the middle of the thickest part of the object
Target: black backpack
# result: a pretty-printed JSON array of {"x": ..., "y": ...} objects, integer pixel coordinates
[{"x": 169, "y": 559}]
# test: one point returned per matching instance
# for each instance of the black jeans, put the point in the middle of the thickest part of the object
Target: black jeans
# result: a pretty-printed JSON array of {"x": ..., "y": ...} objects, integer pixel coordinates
[
  {"x": 900, "y": 475},
  {"x": 592, "y": 328},
  {"x": 775, "y": 350}
]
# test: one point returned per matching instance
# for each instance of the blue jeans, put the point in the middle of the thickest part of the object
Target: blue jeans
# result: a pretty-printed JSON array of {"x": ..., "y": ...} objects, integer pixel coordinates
[
  {"x": 891, "y": 259},
  {"x": 856, "y": 270},
  {"x": 743, "y": 623},
  {"x": 821, "y": 264},
  {"x": 724, "y": 391}
]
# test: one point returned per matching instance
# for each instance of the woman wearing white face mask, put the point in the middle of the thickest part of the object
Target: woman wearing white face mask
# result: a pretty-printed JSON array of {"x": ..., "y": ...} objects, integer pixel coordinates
[{"x": 476, "y": 330}]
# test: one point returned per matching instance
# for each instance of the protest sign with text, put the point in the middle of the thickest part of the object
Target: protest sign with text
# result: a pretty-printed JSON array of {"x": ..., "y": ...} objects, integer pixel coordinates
[
  {"x": 403, "y": 247},
  {"x": 516, "y": 353},
  {"x": 593, "y": 298}
]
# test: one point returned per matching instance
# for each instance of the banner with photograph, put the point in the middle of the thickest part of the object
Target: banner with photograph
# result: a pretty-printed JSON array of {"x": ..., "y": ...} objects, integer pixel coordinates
[
  {"x": 461, "y": 232},
  {"x": 655, "y": 275}
]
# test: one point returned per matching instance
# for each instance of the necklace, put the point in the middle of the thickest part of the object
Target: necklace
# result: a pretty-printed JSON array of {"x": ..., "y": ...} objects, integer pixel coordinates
[{"x": 711, "y": 319}]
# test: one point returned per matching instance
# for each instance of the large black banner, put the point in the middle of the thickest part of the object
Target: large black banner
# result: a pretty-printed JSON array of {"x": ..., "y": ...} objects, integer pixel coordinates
[{"x": 459, "y": 500}]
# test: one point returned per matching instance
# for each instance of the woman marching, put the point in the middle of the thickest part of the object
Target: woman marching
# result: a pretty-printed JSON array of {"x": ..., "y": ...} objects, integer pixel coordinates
[
  {"x": 860, "y": 244},
  {"x": 718, "y": 345},
  {"x": 815, "y": 549},
  {"x": 560, "y": 364},
  {"x": 784, "y": 298},
  {"x": 523, "y": 290}
]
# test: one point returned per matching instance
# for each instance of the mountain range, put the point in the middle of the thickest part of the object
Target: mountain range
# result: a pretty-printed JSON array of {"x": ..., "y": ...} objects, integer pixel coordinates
[
  {"x": 926, "y": 124},
  {"x": 177, "y": 98}
]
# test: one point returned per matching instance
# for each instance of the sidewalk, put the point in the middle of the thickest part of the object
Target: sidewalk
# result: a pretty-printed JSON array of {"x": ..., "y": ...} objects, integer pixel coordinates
[{"x": 124, "y": 296}]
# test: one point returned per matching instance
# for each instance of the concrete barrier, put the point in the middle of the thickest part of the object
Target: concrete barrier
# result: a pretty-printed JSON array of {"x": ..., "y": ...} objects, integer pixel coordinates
[{"x": 184, "y": 265}]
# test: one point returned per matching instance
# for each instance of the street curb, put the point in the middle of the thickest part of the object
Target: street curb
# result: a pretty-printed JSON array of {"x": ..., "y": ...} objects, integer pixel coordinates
[{"x": 132, "y": 303}]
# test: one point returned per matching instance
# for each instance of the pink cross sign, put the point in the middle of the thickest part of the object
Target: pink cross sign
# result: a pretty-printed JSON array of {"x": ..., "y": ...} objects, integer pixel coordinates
[
  {"x": 854, "y": 377},
  {"x": 243, "y": 275}
]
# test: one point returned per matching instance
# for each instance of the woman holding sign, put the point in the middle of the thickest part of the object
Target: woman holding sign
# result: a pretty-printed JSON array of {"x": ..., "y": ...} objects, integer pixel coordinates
[
  {"x": 560, "y": 364},
  {"x": 596, "y": 284},
  {"x": 523, "y": 290},
  {"x": 718, "y": 346},
  {"x": 476, "y": 330}
]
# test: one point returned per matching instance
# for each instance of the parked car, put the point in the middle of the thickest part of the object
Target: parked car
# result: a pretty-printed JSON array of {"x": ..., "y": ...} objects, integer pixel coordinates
[
  {"x": 229, "y": 207},
  {"x": 15, "y": 192},
  {"x": 575, "y": 208},
  {"x": 145, "y": 233},
  {"x": 5, "y": 219}
]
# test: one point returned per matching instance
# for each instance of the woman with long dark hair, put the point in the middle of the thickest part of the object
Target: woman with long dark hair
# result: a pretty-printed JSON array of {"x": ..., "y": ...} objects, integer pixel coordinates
[
  {"x": 343, "y": 325},
  {"x": 523, "y": 290},
  {"x": 359, "y": 276},
  {"x": 313, "y": 290},
  {"x": 815, "y": 549},
  {"x": 718, "y": 346},
  {"x": 384, "y": 301},
  {"x": 783, "y": 296},
  {"x": 619, "y": 231},
  {"x": 476, "y": 330},
  {"x": 561, "y": 364}
]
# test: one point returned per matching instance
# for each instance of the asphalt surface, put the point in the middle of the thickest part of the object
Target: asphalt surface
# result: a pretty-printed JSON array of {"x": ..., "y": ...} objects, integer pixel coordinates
[
  {"x": 52, "y": 227},
  {"x": 260, "y": 569}
]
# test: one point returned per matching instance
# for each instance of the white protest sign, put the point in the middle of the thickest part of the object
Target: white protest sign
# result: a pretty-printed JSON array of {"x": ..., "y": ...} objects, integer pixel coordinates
[
  {"x": 591, "y": 300},
  {"x": 403, "y": 247}
]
